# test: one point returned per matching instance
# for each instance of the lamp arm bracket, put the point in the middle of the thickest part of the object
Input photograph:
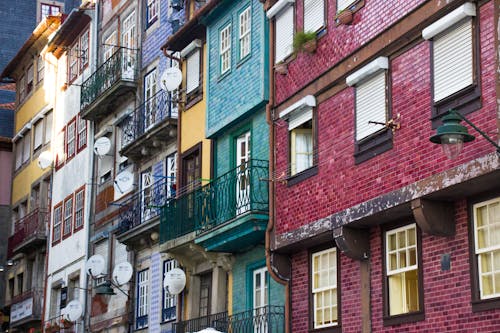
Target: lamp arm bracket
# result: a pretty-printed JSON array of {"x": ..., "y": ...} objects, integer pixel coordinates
[{"x": 476, "y": 128}]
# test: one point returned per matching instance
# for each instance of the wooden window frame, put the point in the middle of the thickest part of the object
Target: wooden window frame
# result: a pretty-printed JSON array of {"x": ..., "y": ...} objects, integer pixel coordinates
[
  {"x": 150, "y": 20},
  {"x": 184, "y": 157},
  {"x": 66, "y": 218},
  {"x": 81, "y": 134},
  {"x": 60, "y": 214},
  {"x": 67, "y": 142},
  {"x": 40, "y": 69},
  {"x": 72, "y": 61},
  {"x": 468, "y": 99},
  {"x": 410, "y": 317},
  {"x": 478, "y": 304},
  {"x": 75, "y": 211},
  {"x": 84, "y": 56},
  {"x": 334, "y": 328}
]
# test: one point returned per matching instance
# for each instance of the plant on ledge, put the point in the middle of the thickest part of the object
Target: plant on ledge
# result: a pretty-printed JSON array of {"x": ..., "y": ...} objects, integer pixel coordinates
[
  {"x": 344, "y": 16},
  {"x": 304, "y": 41},
  {"x": 281, "y": 67},
  {"x": 65, "y": 323}
]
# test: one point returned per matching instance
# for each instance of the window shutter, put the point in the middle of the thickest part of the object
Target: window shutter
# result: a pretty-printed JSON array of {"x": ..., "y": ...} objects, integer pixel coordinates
[
  {"x": 193, "y": 71},
  {"x": 19, "y": 153},
  {"x": 38, "y": 134},
  {"x": 299, "y": 118},
  {"x": 314, "y": 14},
  {"x": 453, "y": 64},
  {"x": 343, "y": 4},
  {"x": 370, "y": 105},
  {"x": 27, "y": 146},
  {"x": 102, "y": 249},
  {"x": 284, "y": 33},
  {"x": 48, "y": 127}
]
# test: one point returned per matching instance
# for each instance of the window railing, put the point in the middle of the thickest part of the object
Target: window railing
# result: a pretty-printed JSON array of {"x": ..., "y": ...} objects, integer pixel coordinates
[
  {"x": 121, "y": 66},
  {"x": 145, "y": 205},
  {"x": 267, "y": 319},
  {"x": 146, "y": 116},
  {"x": 239, "y": 191},
  {"x": 30, "y": 226}
]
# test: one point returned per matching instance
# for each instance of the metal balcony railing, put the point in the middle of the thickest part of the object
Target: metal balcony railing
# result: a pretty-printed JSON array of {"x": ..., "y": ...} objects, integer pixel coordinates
[
  {"x": 121, "y": 66},
  {"x": 240, "y": 191},
  {"x": 217, "y": 321},
  {"x": 32, "y": 300},
  {"x": 145, "y": 205},
  {"x": 146, "y": 116},
  {"x": 31, "y": 226},
  {"x": 267, "y": 319}
]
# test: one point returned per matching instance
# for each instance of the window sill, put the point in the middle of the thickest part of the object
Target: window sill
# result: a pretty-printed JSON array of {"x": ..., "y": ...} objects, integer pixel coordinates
[
  {"x": 223, "y": 76},
  {"x": 355, "y": 7},
  {"x": 485, "y": 305},
  {"x": 331, "y": 329},
  {"x": 464, "y": 101},
  {"x": 411, "y": 317},
  {"x": 372, "y": 146},
  {"x": 243, "y": 60},
  {"x": 193, "y": 99},
  {"x": 303, "y": 175}
]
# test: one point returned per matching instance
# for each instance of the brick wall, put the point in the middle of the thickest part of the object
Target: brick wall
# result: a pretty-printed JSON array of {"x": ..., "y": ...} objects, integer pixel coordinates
[{"x": 413, "y": 156}]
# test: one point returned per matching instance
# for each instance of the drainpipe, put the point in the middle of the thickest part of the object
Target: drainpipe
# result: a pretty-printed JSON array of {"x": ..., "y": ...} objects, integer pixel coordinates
[{"x": 270, "y": 232}]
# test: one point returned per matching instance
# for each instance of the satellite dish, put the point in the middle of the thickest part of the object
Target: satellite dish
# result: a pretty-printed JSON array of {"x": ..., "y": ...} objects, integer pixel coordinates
[
  {"x": 123, "y": 273},
  {"x": 209, "y": 330},
  {"x": 95, "y": 265},
  {"x": 73, "y": 311},
  {"x": 171, "y": 78},
  {"x": 175, "y": 281},
  {"x": 45, "y": 159},
  {"x": 124, "y": 181},
  {"x": 102, "y": 146}
]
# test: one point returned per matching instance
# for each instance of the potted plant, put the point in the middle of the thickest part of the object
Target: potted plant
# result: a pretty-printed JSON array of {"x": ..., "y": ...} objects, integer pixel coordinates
[
  {"x": 281, "y": 67},
  {"x": 65, "y": 323},
  {"x": 344, "y": 16},
  {"x": 305, "y": 41}
]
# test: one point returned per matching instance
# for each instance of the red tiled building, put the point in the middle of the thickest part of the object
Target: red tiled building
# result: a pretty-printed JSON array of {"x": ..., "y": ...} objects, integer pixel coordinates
[{"x": 375, "y": 228}]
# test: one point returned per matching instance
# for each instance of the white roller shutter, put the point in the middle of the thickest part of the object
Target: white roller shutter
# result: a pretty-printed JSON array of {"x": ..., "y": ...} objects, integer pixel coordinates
[
  {"x": 37, "y": 141},
  {"x": 370, "y": 105},
  {"x": 101, "y": 248},
  {"x": 48, "y": 127},
  {"x": 193, "y": 71},
  {"x": 26, "y": 146},
  {"x": 299, "y": 118},
  {"x": 284, "y": 34},
  {"x": 343, "y": 4},
  {"x": 453, "y": 61},
  {"x": 314, "y": 15}
]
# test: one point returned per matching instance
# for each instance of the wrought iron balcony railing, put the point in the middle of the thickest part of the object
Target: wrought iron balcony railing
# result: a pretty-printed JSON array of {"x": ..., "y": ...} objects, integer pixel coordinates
[
  {"x": 31, "y": 226},
  {"x": 267, "y": 319},
  {"x": 146, "y": 116},
  {"x": 240, "y": 191},
  {"x": 121, "y": 66},
  {"x": 145, "y": 205}
]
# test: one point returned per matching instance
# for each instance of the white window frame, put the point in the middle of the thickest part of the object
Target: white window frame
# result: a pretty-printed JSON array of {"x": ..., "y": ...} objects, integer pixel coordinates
[
  {"x": 169, "y": 301},
  {"x": 225, "y": 49},
  {"x": 193, "y": 74},
  {"x": 245, "y": 32},
  {"x": 71, "y": 139},
  {"x": 488, "y": 250},
  {"x": 57, "y": 222},
  {"x": 38, "y": 131},
  {"x": 79, "y": 209},
  {"x": 83, "y": 55},
  {"x": 344, "y": 4},
  {"x": 284, "y": 32},
  {"x": 48, "y": 127},
  {"x": 26, "y": 147},
  {"x": 318, "y": 291},
  {"x": 81, "y": 134},
  {"x": 152, "y": 10},
  {"x": 314, "y": 15},
  {"x": 68, "y": 216},
  {"x": 142, "y": 301}
]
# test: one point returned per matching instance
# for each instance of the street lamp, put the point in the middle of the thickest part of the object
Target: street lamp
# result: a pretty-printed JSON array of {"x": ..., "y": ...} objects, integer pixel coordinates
[{"x": 451, "y": 135}]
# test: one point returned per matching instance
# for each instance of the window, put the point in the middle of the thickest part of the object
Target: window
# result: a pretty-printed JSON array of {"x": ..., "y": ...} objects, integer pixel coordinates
[
  {"x": 74, "y": 288},
  {"x": 152, "y": 11},
  {"x": 48, "y": 9},
  {"x": 82, "y": 135},
  {"x": 38, "y": 135},
  {"x": 245, "y": 32},
  {"x": 225, "y": 49},
  {"x": 109, "y": 45},
  {"x": 302, "y": 137},
  {"x": 403, "y": 283},
  {"x": 70, "y": 139},
  {"x": 324, "y": 289},
  {"x": 151, "y": 114},
  {"x": 455, "y": 69},
  {"x": 35, "y": 198},
  {"x": 284, "y": 33},
  {"x": 101, "y": 248},
  {"x": 11, "y": 288},
  {"x": 84, "y": 50},
  {"x": 314, "y": 15},
  {"x": 22, "y": 88},
  {"x": 344, "y": 4},
  {"x": 171, "y": 172},
  {"x": 372, "y": 110},
  {"x": 19, "y": 153},
  {"x": 68, "y": 216},
  {"x": 205, "y": 294},
  {"x": 169, "y": 301},
  {"x": 20, "y": 281},
  {"x": 56, "y": 229},
  {"x": 48, "y": 127},
  {"x": 142, "y": 302},
  {"x": 59, "y": 148},
  {"x": 55, "y": 302},
  {"x": 40, "y": 69},
  {"x": 29, "y": 79},
  {"x": 193, "y": 64},
  {"x": 486, "y": 216},
  {"x": 26, "y": 147},
  {"x": 79, "y": 206}
]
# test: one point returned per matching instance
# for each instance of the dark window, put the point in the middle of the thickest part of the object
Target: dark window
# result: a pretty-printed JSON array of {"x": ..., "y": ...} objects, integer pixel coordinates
[{"x": 205, "y": 294}]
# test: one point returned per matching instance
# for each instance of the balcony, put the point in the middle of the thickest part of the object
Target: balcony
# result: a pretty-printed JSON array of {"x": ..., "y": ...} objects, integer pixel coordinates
[
  {"x": 150, "y": 127},
  {"x": 268, "y": 319},
  {"x": 30, "y": 232},
  {"x": 26, "y": 308},
  {"x": 140, "y": 213},
  {"x": 108, "y": 84},
  {"x": 229, "y": 214}
]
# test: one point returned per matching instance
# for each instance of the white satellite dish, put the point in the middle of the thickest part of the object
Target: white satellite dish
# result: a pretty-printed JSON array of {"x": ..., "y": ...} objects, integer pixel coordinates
[
  {"x": 73, "y": 311},
  {"x": 95, "y": 265},
  {"x": 45, "y": 159},
  {"x": 102, "y": 146},
  {"x": 124, "y": 181},
  {"x": 175, "y": 281},
  {"x": 171, "y": 78},
  {"x": 123, "y": 273},
  {"x": 209, "y": 330}
]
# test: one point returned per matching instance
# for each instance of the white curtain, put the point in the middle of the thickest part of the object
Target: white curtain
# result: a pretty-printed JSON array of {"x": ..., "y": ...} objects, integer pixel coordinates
[{"x": 303, "y": 150}]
